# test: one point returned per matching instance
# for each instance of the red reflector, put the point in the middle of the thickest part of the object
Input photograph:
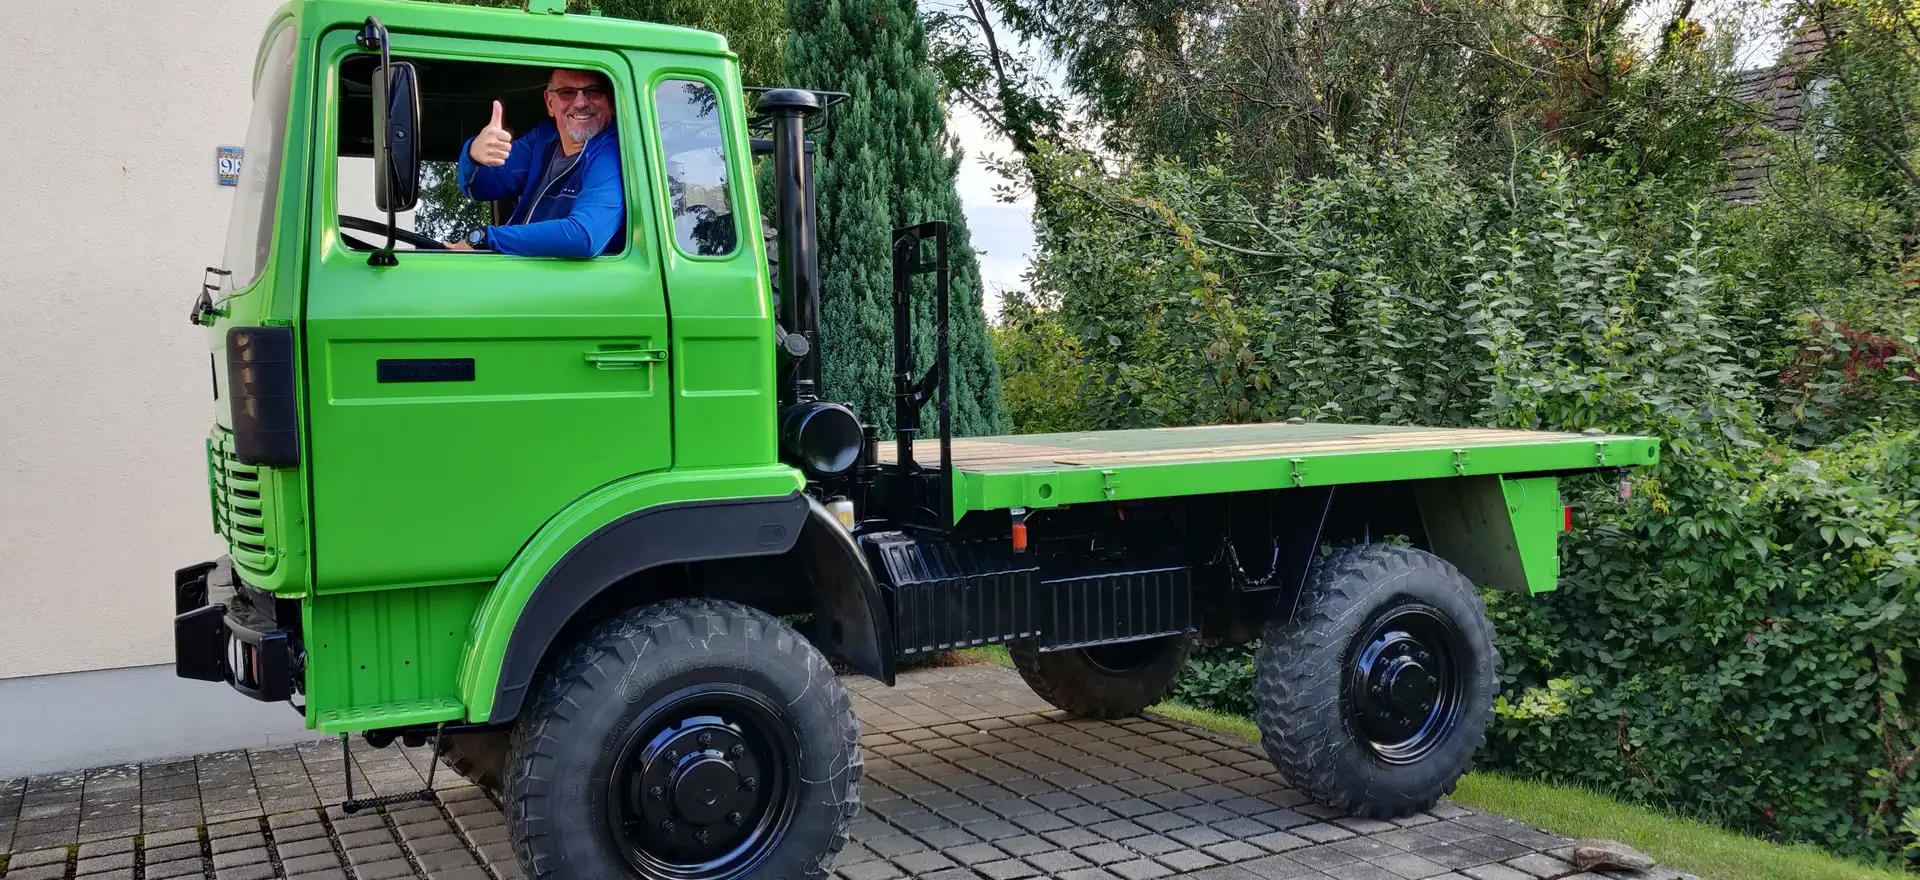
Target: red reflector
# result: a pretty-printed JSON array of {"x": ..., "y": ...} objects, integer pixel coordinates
[
  {"x": 1019, "y": 537},
  {"x": 1568, "y": 525}
]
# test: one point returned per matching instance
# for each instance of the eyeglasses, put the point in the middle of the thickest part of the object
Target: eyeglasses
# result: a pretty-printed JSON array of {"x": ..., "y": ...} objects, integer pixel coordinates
[{"x": 566, "y": 95}]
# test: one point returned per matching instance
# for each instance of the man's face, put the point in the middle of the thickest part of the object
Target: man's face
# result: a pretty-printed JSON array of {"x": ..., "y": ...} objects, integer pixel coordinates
[{"x": 579, "y": 103}]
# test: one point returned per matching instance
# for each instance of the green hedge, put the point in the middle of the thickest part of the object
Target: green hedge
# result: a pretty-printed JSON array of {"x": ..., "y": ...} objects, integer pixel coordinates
[{"x": 1740, "y": 640}]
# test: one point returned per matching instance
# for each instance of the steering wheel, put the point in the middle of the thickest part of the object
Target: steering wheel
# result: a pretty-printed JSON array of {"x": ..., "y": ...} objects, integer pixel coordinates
[{"x": 423, "y": 242}]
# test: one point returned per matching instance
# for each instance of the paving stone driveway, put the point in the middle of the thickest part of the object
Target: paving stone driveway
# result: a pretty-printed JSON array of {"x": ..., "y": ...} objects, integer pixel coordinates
[{"x": 968, "y": 776}]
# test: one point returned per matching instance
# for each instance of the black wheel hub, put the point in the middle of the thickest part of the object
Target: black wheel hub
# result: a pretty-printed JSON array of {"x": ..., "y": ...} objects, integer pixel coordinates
[
  {"x": 703, "y": 789},
  {"x": 1405, "y": 683}
]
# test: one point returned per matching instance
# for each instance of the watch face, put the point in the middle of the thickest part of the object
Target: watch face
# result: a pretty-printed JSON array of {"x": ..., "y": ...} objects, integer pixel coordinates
[{"x": 477, "y": 238}]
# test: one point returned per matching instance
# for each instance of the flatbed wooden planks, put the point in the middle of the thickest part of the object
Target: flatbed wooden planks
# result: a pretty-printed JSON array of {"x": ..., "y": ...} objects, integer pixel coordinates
[
  {"x": 1047, "y": 470},
  {"x": 1215, "y": 443}
]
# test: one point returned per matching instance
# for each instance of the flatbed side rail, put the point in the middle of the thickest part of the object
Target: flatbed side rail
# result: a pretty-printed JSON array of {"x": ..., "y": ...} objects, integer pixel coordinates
[{"x": 1039, "y": 485}]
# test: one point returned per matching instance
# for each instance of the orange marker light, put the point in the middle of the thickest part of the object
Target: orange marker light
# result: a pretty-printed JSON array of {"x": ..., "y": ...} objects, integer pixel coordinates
[{"x": 1019, "y": 537}]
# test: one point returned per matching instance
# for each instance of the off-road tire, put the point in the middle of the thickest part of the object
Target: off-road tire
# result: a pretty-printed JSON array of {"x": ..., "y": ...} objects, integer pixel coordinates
[
  {"x": 599, "y": 692},
  {"x": 479, "y": 757},
  {"x": 1304, "y": 708},
  {"x": 1074, "y": 680}
]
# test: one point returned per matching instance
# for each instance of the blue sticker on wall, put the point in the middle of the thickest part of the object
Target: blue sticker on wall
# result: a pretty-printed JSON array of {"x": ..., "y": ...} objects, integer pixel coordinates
[{"x": 227, "y": 163}]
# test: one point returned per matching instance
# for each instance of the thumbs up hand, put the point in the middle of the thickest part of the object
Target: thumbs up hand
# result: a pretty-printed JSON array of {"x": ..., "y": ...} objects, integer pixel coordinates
[{"x": 493, "y": 144}]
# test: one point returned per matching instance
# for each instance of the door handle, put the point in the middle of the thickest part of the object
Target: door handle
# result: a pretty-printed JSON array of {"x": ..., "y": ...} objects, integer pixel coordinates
[{"x": 626, "y": 358}]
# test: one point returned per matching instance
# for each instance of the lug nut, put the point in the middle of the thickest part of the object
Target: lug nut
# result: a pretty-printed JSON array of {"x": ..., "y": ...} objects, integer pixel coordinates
[
  {"x": 750, "y": 783},
  {"x": 700, "y": 836},
  {"x": 667, "y": 826},
  {"x": 735, "y": 819},
  {"x": 737, "y": 752},
  {"x": 672, "y": 756},
  {"x": 658, "y": 793},
  {"x": 706, "y": 739}
]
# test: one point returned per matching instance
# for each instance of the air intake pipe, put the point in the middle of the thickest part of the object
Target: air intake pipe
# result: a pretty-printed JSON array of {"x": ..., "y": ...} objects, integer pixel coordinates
[
  {"x": 799, "y": 240},
  {"x": 822, "y": 439}
]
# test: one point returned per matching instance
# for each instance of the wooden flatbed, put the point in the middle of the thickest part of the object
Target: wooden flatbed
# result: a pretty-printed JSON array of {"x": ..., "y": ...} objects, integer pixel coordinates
[{"x": 1044, "y": 470}]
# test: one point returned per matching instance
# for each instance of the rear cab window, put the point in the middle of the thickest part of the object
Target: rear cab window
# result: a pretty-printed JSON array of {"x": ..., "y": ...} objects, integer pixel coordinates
[{"x": 692, "y": 142}]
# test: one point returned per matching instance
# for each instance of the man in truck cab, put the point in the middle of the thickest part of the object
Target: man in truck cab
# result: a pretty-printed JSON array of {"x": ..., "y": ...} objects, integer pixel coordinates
[{"x": 565, "y": 173}]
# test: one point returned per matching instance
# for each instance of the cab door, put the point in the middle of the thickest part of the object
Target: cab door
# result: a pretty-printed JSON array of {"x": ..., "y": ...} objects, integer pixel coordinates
[{"x": 459, "y": 400}]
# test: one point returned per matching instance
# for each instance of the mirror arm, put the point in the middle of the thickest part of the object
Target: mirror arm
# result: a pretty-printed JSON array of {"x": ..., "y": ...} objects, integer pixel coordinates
[{"x": 373, "y": 35}]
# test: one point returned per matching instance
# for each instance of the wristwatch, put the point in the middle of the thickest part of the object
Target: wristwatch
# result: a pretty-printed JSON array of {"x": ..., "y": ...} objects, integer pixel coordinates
[{"x": 477, "y": 239}]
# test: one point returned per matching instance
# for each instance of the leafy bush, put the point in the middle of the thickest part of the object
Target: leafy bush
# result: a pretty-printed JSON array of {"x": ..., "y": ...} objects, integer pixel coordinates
[
  {"x": 1741, "y": 639},
  {"x": 1217, "y": 680}
]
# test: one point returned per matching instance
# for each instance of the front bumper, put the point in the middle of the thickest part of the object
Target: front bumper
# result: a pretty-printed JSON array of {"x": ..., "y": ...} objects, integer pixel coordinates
[{"x": 225, "y": 632}]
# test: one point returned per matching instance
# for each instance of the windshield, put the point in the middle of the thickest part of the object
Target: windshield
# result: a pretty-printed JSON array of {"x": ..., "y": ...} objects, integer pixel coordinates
[{"x": 250, "y": 229}]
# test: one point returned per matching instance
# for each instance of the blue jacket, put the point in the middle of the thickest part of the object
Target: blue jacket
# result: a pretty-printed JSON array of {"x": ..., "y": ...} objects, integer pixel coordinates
[{"x": 582, "y": 215}]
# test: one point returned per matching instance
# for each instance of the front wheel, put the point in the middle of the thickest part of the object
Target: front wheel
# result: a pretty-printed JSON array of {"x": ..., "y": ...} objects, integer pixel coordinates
[
  {"x": 688, "y": 740},
  {"x": 1375, "y": 696}
]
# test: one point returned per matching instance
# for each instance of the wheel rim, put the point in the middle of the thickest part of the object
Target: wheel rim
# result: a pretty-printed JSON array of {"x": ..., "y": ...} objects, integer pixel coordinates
[
  {"x": 1124, "y": 658},
  {"x": 1405, "y": 683},
  {"x": 703, "y": 788}
]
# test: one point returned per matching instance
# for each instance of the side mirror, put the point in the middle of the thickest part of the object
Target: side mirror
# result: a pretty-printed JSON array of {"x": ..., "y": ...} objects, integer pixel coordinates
[{"x": 396, "y": 124}]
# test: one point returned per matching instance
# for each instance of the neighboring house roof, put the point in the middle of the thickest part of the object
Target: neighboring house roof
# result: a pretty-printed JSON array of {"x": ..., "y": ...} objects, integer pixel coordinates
[{"x": 1781, "y": 97}]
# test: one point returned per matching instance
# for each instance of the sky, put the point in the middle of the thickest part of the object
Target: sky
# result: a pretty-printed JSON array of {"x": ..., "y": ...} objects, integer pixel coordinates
[{"x": 1002, "y": 232}]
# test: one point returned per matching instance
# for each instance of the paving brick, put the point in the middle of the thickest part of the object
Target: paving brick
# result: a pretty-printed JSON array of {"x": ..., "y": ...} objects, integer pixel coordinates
[
  {"x": 107, "y": 848},
  {"x": 310, "y": 862},
  {"x": 466, "y": 872},
  {"x": 1411, "y": 866},
  {"x": 187, "y": 850},
  {"x": 1320, "y": 832},
  {"x": 386, "y": 870},
  {"x": 169, "y": 870},
  {"x": 1140, "y": 869},
  {"x": 1276, "y": 868},
  {"x": 121, "y": 862},
  {"x": 37, "y": 858},
  {"x": 38, "y": 872},
  {"x": 1056, "y": 862},
  {"x": 237, "y": 841},
  {"x": 255, "y": 871},
  {"x": 1542, "y": 866},
  {"x": 238, "y": 857},
  {"x": 1234, "y": 851},
  {"x": 444, "y": 860},
  {"x": 290, "y": 849},
  {"x": 1496, "y": 872},
  {"x": 369, "y": 837},
  {"x": 1362, "y": 871},
  {"x": 325, "y": 874},
  {"x": 1187, "y": 860},
  {"x": 367, "y": 855}
]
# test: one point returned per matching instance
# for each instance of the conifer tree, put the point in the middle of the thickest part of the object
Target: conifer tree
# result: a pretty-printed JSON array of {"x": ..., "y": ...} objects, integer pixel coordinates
[{"x": 887, "y": 162}]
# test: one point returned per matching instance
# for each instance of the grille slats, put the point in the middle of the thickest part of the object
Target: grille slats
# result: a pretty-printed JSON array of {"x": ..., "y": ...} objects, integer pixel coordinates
[{"x": 239, "y": 514}]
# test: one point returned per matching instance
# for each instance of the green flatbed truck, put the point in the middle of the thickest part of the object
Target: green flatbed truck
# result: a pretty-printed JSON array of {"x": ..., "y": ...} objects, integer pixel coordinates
[{"x": 588, "y": 526}]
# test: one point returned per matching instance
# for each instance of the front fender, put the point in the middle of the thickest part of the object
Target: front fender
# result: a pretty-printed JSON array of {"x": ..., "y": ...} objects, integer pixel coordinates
[
  {"x": 616, "y": 530},
  {"x": 853, "y": 618}
]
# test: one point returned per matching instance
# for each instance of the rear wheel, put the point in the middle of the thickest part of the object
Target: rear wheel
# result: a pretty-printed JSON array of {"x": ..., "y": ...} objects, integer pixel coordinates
[
  {"x": 1107, "y": 681},
  {"x": 688, "y": 740},
  {"x": 1375, "y": 696}
]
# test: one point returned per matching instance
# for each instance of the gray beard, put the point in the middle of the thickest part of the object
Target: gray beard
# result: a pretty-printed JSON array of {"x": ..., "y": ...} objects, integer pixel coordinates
[{"x": 583, "y": 131}]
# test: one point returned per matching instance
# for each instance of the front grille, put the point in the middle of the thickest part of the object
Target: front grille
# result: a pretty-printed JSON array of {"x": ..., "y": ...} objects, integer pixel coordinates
[{"x": 239, "y": 511}]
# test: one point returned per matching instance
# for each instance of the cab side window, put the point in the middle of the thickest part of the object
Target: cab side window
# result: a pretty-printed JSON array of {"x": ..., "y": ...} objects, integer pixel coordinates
[
  {"x": 457, "y": 100},
  {"x": 696, "y": 168}
]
